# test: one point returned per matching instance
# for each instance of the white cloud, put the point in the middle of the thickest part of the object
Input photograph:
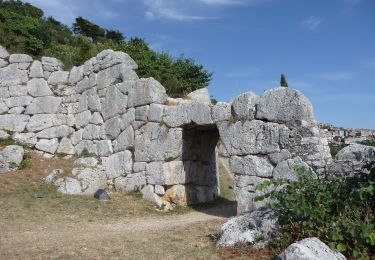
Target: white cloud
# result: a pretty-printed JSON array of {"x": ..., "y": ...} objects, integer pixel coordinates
[{"x": 312, "y": 23}]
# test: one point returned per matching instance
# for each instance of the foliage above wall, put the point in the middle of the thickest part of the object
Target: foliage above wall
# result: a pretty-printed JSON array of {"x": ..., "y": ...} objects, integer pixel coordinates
[{"x": 24, "y": 29}]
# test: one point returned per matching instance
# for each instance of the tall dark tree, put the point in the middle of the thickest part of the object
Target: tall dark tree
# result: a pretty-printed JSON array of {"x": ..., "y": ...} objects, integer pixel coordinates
[
  {"x": 283, "y": 82},
  {"x": 114, "y": 35},
  {"x": 88, "y": 29}
]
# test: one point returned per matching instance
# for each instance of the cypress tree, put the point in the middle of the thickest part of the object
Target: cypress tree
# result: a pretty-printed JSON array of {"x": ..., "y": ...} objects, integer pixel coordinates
[{"x": 283, "y": 82}]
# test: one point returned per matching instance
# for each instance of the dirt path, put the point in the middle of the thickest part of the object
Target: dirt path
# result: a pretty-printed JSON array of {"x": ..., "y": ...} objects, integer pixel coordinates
[{"x": 81, "y": 239}]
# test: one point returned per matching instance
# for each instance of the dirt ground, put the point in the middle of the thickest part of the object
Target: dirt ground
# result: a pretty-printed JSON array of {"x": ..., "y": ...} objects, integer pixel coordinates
[{"x": 36, "y": 222}]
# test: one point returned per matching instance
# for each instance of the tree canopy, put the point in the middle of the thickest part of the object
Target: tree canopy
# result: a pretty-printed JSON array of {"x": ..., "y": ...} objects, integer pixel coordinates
[
  {"x": 24, "y": 29},
  {"x": 283, "y": 82}
]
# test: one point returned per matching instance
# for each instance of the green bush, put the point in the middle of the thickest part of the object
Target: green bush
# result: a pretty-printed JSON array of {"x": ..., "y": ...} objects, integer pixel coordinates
[{"x": 339, "y": 211}]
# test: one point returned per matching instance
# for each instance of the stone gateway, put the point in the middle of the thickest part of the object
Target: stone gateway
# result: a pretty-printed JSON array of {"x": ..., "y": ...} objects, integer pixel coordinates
[{"x": 144, "y": 140}]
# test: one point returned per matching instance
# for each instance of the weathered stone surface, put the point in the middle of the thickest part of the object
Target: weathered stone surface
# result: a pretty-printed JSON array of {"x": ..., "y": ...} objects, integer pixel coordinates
[
  {"x": 128, "y": 118},
  {"x": 91, "y": 132},
  {"x": 3, "y": 108},
  {"x": 125, "y": 140},
  {"x": 277, "y": 157},
  {"x": 145, "y": 92},
  {"x": 50, "y": 178},
  {"x": 148, "y": 194},
  {"x": 101, "y": 195},
  {"x": 4, "y": 135},
  {"x": 3, "y": 63},
  {"x": 168, "y": 173},
  {"x": 19, "y": 90},
  {"x": 90, "y": 146},
  {"x": 36, "y": 70},
  {"x": 38, "y": 88},
  {"x": 244, "y": 106},
  {"x": 272, "y": 106},
  {"x": 91, "y": 179},
  {"x": 65, "y": 147},
  {"x": 114, "y": 75},
  {"x": 155, "y": 113},
  {"x": 141, "y": 113},
  {"x": 109, "y": 58},
  {"x": 20, "y": 58},
  {"x": 200, "y": 113},
  {"x": 357, "y": 152},
  {"x": 18, "y": 101},
  {"x": 200, "y": 95},
  {"x": 4, "y": 93},
  {"x": 86, "y": 83},
  {"x": 112, "y": 128},
  {"x": 284, "y": 169},
  {"x": 254, "y": 165},
  {"x": 47, "y": 145},
  {"x": 83, "y": 118},
  {"x": 96, "y": 119},
  {"x": 58, "y": 78},
  {"x": 132, "y": 182},
  {"x": 118, "y": 164},
  {"x": 13, "y": 123},
  {"x": 221, "y": 112},
  {"x": 55, "y": 132},
  {"x": 157, "y": 143},
  {"x": 25, "y": 138},
  {"x": 3, "y": 53},
  {"x": 75, "y": 75},
  {"x": 175, "y": 116},
  {"x": 77, "y": 137},
  {"x": 104, "y": 148},
  {"x": 255, "y": 227},
  {"x": 115, "y": 102},
  {"x": 159, "y": 190},
  {"x": 252, "y": 137},
  {"x": 44, "y": 105},
  {"x": 310, "y": 249},
  {"x": 11, "y": 75},
  {"x": 16, "y": 110},
  {"x": 93, "y": 100},
  {"x": 43, "y": 121},
  {"x": 10, "y": 156},
  {"x": 70, "y": 186},
  {"x": 87, "y": 162}
]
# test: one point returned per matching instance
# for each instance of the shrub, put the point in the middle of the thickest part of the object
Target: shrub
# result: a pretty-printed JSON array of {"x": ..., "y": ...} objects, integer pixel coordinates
[{"x": 339, "y": 211}]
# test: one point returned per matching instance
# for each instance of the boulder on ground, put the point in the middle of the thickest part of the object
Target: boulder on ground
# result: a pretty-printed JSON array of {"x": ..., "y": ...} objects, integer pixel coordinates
[
  {"x": 101, "y": 195},
  {"x": 255, "y": 227},
  {"x": 310, "y": 249},
  {"x": 10, "y": 157}
]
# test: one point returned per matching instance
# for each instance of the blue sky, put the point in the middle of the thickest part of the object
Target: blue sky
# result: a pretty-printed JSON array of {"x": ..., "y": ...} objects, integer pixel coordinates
[{"x": 326, "y": 48}]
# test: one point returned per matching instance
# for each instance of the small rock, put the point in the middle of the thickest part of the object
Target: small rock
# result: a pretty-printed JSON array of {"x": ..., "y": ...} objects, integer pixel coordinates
[
  {"x": 52, "y": 176},
  {"x": 101, "y": 195}
]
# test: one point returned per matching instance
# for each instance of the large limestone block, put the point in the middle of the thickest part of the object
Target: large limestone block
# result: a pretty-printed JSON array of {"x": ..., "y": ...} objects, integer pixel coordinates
[
  {"x": 90, "y": 146},
  {"x": 200, "y": 95},
  {"x": 18, "y": 101},
  {"x": 132, "y": 182},
  {"x": 115, "y": 103},
  {"x": 38, "y": 87},
  {"x": 175, "y": 116},
  {"x": 70, "y": 186},
  {"x": 284, "y": 169},
  {"x": 357, "y": 152},
  {"x": 25, "y": 138},
  {"x": 4, "y": 92},
  {"x": 125, "y": 140},
  {"x": 104, "y": 148},
  {"x": 244, "y": 106},
  {"x": 58, "y": 78},
  {"x": 155, "y": 113},
  {"x": 93, "y": 100},
  {"x": 254, "y": 165},
  {"x": 65, "y": 147},
  {"x": 16, "y": 110},
  {"x": 154, "y": 142},
  {"x": 83, "y": 118},
  {"x": 4, "y": 135},
  {"x": 128, "y": 118},
  {"x": 13, "y": 123},
  {"x": 200, "y": 113},
  {"x": 11, "y": 75},
  {"x": 112, "y": 128},
  {"x": 55, "y": 132},
  {"x": 168, "y": 173},
  {"x": 141, "y": 113},
  {"x": 118, "y": 164},
  {"x": 247, "y": 182},
  {"x": 20, "y": 58},
  {"x": 43, "y": 121},
  {"x": 252, "y": 137},
  {"x": 310, "y": 248},
  {"x": 86, "y": 83},
  {"x": 36, "y": 70},
  {"x": 75, "y": 75},
  {"x": 96, "y": 119},
  {"x": 87, "y": 162},
  {"x": 91, "y": 179},
  {"x": 3, "y": 53},
  {"x": 11, "y": 154},
  {"x": 3, "y": 63},
  {"x": 221, "y": 112},
  {"x": 114, "y": 75},
  {"x": 285, "y": 105},
  {"x": 19, "y": 90},
  {"x": 145, "y": 92},
  {"x": 3, "y": 108},
  {"x": 91, "y": 132},
  {"x": 44, "y": 105},
  {"x": 109, "y": 58},
  {"x": 51, "y": 62},
  {"x": 47, "y": 145}
]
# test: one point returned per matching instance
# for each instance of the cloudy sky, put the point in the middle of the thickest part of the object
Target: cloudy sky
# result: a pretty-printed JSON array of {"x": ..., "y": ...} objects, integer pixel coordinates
[{"x": 326, "y": 49}]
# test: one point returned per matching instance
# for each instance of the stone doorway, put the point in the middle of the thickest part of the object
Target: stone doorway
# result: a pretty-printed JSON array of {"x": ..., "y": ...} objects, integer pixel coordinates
[{"x": 200, "y": 159}]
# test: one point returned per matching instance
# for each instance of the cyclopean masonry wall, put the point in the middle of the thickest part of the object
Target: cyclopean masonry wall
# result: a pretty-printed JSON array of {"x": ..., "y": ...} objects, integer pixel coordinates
[{"x": 144, "y": 140}]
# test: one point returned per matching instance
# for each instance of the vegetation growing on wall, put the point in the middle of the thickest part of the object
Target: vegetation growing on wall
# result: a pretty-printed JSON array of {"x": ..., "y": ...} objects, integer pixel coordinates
[
  {"x": 24, "y": 29},
  {"x": 339, "y": 211}
]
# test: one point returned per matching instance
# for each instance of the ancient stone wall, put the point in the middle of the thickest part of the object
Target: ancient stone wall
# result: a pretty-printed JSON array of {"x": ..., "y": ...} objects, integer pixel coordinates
[{"x": 143, "y": 139}]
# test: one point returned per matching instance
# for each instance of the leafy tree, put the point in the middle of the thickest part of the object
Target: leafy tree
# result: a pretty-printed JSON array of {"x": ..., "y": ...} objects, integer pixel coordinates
[
  {"x": 88, "y": 29},
  {"x": 283, "y": 82},
  {"x": 114, "y": 35}
]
